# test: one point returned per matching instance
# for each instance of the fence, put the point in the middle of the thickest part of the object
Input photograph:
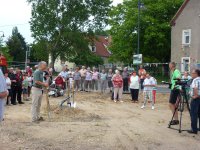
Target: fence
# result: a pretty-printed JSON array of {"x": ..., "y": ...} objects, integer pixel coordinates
[
  {"x": 21, "y": 65},
  {"x": 158, "y": 70}
]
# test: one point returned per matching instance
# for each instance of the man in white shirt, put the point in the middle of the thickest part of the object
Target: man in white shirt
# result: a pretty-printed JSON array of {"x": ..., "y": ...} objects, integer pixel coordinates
[
  {"x": 64, "y": 73},
  {"x": 148, "y": 84},
  {"x": 195, "y": 103}
]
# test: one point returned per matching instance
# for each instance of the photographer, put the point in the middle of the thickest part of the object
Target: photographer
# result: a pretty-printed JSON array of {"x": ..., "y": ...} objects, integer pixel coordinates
[
  {"x": 195, "y": 103},
  {"x": 175, "y": 89}
]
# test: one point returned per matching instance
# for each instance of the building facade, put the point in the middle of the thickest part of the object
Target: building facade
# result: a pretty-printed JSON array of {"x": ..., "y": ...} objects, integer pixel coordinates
[{"x": 185, "y": 36}]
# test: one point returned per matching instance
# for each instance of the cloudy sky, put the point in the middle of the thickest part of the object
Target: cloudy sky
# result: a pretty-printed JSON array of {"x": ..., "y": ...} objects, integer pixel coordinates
[{"x": 18, "y": 13}]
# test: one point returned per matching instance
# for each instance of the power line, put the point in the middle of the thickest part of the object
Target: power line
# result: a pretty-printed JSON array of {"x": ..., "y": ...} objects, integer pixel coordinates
[{"x": 11, "y": 25}]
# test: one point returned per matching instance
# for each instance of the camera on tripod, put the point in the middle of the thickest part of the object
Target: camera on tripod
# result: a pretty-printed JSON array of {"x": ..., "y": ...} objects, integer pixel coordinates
[
  {"x": 185, "y": 84},
  {"x": 182, "y": 82},
  {"x": 182, "y": 99}
]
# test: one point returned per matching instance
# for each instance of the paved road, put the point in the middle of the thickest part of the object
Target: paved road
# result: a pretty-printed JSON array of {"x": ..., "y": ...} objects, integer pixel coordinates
[
  {"x": 163, "y": 89},
  {"x": 160, "y": 89}
]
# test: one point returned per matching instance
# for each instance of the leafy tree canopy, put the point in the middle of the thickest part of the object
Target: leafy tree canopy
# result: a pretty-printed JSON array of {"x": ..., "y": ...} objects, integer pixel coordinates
[
  {"x": 17, "y": 46},
  {"x": 155, "y": 29},
  {"x": 66, "y": 25}
]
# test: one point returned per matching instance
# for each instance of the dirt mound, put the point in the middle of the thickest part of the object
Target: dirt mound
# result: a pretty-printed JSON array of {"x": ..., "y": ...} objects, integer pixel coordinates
[{"x": 67, "y": 114}]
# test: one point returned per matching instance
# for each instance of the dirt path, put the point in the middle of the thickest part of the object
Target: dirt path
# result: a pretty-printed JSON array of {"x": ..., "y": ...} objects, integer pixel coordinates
[{"x": 96, "y": 124}]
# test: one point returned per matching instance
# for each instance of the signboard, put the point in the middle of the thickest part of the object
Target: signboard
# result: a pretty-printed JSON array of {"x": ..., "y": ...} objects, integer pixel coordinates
[{"x": 137, "y": 59}]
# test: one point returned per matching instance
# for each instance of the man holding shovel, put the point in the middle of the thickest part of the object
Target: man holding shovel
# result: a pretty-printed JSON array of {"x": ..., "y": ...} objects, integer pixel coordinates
[{"x": 38, "y": 84}]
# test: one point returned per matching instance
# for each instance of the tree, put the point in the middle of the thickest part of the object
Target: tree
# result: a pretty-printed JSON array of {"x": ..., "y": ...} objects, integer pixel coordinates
[
  {"x": 66, "y": 25},
  {"x": 155, "y": 30},
  {"x": 38, "y": 51},
  {"x": 17, "y": 46}
]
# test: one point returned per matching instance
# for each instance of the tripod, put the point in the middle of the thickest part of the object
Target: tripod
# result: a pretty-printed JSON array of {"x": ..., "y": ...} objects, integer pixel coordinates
[{"x": 183, "y": 98}]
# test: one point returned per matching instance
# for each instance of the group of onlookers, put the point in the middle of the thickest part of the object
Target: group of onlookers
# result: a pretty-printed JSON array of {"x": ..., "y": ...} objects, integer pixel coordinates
[
  {"x": 118, "y": 82},
  {"x": 86, "y": 79},
  {"x": 134, "y": 82},
  {"x": 19, "y": 85}
]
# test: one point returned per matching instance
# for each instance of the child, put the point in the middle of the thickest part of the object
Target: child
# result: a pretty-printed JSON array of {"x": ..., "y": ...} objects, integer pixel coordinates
[
  {"x": 148, "y": 84},
  {"x": 25, "y": 85},
  {"x": 154, "y": 89}
]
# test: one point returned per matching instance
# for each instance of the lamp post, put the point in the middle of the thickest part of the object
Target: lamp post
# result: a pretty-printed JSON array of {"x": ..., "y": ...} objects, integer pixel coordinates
[
  {"x": 138, "y": 30},
  {"x": 140, "y": 6},
  {"x": 28, "y": 51}
]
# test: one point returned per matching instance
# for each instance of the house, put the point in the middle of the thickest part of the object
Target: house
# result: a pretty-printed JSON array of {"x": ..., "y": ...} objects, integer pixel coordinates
[
  {"x": 185, "y": 36},
  {"x": 99, "y": 47}
]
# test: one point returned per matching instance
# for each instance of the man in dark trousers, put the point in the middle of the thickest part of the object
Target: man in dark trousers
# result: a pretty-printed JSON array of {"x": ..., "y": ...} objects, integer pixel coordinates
[
  {"x": 195, "y": 103},
  {"x": 12, "y": 77},
  {"x": 125, "y": 76},
  {"x": 16, "y": 86}
]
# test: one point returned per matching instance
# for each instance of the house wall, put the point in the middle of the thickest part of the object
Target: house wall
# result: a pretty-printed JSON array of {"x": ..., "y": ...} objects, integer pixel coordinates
[
  {"x": 58, "y": 65},
  {"x": 188, "y": 19}
]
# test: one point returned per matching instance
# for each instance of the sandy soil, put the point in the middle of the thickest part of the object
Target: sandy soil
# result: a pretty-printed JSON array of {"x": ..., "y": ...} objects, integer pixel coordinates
[{"x": 96, "y": 124}]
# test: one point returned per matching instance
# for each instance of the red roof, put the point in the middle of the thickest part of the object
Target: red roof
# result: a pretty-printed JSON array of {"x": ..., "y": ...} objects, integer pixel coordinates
[
  {"x": 173, "y": 21},
  {"x": 101, "y": 44}
]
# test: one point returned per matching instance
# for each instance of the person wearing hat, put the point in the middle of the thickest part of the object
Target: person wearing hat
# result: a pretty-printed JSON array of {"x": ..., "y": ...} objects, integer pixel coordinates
[{"x": 134, "y": 84}]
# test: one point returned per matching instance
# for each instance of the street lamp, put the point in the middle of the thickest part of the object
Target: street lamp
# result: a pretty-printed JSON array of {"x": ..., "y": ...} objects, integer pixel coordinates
[
  {"x": 140, "y": 5},
  {"x": 28, "y": 51},
  {"x": 2, "y": 34}
]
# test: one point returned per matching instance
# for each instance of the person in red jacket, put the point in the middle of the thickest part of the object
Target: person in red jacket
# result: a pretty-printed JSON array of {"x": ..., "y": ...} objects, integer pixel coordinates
[
  {"x": 59, "y": 81},
  {"x": 117, "y": 81},
  {"x": 3, "y": 63}
]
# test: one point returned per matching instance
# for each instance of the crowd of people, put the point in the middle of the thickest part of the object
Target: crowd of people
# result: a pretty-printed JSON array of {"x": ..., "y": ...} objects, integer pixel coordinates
[
  {"x": 17, "y": 86},
  {"x": 117, "y": 82}
]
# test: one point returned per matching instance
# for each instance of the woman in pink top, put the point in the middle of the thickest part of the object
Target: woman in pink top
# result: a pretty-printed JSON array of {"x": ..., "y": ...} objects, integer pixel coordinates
[{"x": 117, "y": 81}]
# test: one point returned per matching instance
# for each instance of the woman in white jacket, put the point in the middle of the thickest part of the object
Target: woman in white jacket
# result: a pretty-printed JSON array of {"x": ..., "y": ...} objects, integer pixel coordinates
[{"x": 134, "y": 86}]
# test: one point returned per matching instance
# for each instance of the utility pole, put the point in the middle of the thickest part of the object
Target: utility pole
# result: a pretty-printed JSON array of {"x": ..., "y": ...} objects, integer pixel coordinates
[
  {"x": 27, "y": 55},
  {"x": 139, "y": 9}
]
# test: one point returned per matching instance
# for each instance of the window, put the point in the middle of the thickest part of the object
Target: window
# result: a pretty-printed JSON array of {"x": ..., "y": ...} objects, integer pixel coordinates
[
  {"x": 186, "y": 37},
  {"x": 92, "y": 48},
  {"x": 185, "y": 64}
]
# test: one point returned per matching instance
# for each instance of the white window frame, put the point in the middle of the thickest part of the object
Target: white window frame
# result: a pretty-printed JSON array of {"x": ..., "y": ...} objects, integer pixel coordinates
[
  {"x": 91, "y": 48},
  {"x": 183, "y": 65},
  {"x": 184, "y": 43}
]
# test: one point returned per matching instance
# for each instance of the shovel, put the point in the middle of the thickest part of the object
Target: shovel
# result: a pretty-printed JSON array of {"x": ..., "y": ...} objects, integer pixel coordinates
[{"x": 70, "y": 97}]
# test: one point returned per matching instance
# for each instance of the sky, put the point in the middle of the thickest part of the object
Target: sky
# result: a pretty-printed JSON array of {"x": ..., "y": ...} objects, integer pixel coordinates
[{"x": 18, "y": 13}]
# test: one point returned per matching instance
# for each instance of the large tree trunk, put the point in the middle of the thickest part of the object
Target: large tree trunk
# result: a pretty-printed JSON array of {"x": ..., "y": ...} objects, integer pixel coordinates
[{"x": 52, "y": 61}]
